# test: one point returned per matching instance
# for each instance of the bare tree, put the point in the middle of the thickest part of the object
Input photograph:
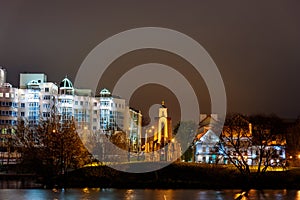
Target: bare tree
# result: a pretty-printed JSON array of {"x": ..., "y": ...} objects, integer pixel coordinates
[
  {"x": 7, "y": 146},
  {"x": 293, "y": 139},
  {"x": 256, "y": 143},
  {"x": 268, "y": 132},
  {"x": 53, "y": 144},
  {"x": 235, "y": 140},
  {"x": 26, "y": 141}
]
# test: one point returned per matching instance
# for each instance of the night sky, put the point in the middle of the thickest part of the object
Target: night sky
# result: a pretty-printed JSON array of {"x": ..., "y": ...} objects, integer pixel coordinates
[{"x": 255, "y": 44}]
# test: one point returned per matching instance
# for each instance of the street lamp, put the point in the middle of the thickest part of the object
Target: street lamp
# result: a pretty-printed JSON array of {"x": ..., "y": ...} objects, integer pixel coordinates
[
  {"x": 146, "y": 140},
  {"x": 150, "y": 130},
  {"x": 129, "y": 148}
]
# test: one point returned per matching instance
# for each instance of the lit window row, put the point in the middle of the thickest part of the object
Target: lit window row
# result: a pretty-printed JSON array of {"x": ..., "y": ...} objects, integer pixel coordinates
[
  {"x": 8, "y": 113},
  {"x": 9, "y": 104}
]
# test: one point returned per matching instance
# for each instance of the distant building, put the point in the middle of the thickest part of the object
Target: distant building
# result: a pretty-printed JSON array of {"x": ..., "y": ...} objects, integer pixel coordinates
[
  {"x": 133, "y": 124},
  {"x": 207, "y": 139},
  {"x": 210, "y": 137},
  {"x": 2, "y": 76}
]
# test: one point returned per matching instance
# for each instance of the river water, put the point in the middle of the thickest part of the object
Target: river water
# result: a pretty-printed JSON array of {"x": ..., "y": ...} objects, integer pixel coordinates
[{"x": 142, "y": 194}]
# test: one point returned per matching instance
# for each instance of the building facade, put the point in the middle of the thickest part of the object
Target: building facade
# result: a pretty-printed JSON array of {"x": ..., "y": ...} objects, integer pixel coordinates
[
  {"x": 159, "y": 142},
  {"x": 8, "y": 119},
  {"x": 36, "y": 99},
  {"x": 213, "y": 145}
]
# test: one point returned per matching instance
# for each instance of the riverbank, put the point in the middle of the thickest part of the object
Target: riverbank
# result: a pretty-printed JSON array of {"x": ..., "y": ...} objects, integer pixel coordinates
[{"x": 177, "y": 175}]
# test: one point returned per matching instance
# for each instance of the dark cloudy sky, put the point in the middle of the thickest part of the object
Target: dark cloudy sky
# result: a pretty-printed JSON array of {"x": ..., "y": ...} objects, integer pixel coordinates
[{"x": 255, "y": 44}]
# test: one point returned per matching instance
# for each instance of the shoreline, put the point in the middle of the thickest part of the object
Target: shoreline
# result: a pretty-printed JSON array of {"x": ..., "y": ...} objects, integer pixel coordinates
[
  {"x": 177, "y": 175},
  {"x": 182, "y": 176}
]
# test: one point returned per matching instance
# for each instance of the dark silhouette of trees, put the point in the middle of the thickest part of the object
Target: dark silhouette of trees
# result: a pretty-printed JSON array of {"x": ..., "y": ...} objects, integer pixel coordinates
[
  {"x": 118, "y": 138},
  {"x": 268, "y": 132},
  {"x": 293, "y": 140},
  {"x": 8, "y": 153},
  {"x": 235, "y": 140},
  {"x": 53, "y": 147},
  {"x": 247, "y": 141},
  {"x": 112, "y": 147}
]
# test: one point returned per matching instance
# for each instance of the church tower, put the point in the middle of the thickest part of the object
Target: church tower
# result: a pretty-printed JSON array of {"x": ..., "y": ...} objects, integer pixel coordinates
[{"x": 164, "y": 130}]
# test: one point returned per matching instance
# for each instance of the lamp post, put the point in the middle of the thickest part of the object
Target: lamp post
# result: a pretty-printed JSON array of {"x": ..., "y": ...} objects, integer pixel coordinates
[
  {"x": 146, "y": 140},
  {"x": 147, "y": 146},
  {"x": 129, "y": 144}
]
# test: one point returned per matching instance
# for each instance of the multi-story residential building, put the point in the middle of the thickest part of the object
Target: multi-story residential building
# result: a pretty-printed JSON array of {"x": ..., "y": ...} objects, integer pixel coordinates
[
  {"x": 82, "y": 108},
  {"x": 36, "y": 99},
  {"x": 8, "y": 107},
  {"x": 112, "y": 111},
  {"x": 66, "y": 100},
  {"x": 8, "y": 119},
  {"x": 133, "y": 124},
  {"x": 48, "y": 99}
]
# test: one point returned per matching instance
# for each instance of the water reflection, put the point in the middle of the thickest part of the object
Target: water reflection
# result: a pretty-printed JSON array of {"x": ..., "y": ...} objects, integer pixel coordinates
[
  {"x": 137, "y": 194},
  {"x": 129, "y": 195}
]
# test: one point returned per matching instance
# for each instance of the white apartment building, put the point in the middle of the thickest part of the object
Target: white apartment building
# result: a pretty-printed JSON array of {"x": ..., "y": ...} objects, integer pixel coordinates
[
  {"x": 112, "y": 111},
  {"x": 36, "y": 99},
  {"x": 8, "y": 108}
]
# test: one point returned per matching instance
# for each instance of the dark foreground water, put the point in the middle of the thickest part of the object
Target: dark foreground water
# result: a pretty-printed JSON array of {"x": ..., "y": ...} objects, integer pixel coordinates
[{"x": 143, "y": 194}]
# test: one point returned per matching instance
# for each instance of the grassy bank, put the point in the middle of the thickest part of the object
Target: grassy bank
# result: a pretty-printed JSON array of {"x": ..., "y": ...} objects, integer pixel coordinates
[{"x": 179, "y": 175}]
